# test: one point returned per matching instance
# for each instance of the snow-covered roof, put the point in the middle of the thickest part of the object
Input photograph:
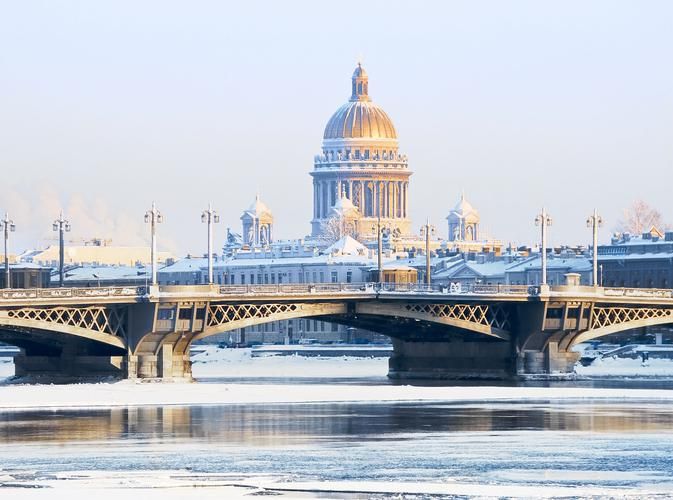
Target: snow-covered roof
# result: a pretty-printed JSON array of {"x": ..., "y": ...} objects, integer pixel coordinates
[
  {"x": 103, "y": 273},
  {"x": 535, "y": 262},
  {"x": 347, "y": 245}
]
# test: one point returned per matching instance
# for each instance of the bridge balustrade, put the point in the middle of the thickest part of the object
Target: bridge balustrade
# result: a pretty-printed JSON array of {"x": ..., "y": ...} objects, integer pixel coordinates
[{"x": 659, "y": 293}]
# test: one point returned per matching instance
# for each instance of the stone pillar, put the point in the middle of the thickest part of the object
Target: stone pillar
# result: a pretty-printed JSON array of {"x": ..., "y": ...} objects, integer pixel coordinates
[{"x": 455, "y": 359}]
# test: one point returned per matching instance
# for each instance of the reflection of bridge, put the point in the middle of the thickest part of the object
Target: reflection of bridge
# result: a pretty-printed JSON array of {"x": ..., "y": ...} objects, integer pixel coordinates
[{"x": 494, "y": 331}]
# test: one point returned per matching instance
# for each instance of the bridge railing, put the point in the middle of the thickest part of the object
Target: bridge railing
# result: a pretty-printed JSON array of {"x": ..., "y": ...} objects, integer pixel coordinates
[
  {"x": 55, "y": 293},
  {"x": 329, "y": 288},
  {"x": 657, "y": 293}
]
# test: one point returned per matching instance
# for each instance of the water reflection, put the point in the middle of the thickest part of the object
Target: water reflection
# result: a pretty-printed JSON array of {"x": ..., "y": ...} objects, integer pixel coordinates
[{"x": 280, "y": 425}]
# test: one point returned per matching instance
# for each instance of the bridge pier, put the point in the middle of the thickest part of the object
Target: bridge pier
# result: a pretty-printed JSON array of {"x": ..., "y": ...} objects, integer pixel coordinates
[
  {"x": 166, "y": 365},
  {"x": 549, "y": 361},
  {"x": 452, "y": 359},
  {"x": 68, "y": 365}
]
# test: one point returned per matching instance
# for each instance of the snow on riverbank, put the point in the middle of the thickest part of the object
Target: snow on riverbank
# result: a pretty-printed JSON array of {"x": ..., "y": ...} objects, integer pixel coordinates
[
  {"x": 127, "y": 393},
  {"x": 626, "y": 367},
  {"x": 238, "y": 363},
  {"x": 169, "y": 485}
]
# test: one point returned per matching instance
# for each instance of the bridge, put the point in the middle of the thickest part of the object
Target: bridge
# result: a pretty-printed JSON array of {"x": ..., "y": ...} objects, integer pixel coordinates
[{"x": 482, "y": 331}]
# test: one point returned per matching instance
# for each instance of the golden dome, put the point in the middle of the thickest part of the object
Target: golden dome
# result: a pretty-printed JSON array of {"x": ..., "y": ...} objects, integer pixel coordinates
[{"x": 359, "y": 117}]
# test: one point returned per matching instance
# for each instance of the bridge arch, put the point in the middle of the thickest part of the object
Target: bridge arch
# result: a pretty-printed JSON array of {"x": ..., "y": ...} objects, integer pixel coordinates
[
  {"x": 94, "y": 324},
  {"x": 609, "y": 320},
  {"x": 222, "y": 318}
]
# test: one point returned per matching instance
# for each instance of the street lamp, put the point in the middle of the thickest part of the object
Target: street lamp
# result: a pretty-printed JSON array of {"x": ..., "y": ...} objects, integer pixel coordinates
[
  {"x": 379, "y": 241},
  {"x": 427, "y": 230},
  {"x": 154, "y": 217},
  {"x": 8, "y": 226},
  {"x": 594, "y": 221},
  {"x": 210, "y": 217},
  {"x": 543, "y": 220},
  {"x": 61, "y": 225}
]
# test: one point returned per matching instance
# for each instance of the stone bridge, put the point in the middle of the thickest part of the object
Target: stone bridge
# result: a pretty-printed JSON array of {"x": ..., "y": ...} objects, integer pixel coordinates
[{"x": 484, "y": 331}]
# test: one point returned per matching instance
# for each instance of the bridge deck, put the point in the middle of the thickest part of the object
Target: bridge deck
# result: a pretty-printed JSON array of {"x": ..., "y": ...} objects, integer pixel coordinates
[{"x": 331, "y": 291}]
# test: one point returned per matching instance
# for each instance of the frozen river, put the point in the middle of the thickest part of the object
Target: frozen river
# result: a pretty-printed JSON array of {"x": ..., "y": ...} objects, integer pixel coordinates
[
  {"x": 242, "y": 433},
  {"x": 516, "y": 448}
]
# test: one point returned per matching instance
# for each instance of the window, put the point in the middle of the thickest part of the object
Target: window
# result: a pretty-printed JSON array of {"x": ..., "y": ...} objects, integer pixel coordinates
[
  {"x": 322, "y": 326},
  {"x": 273, "y": 278},
  {"x": 259, "y": 279},
  {"x": 315, "y": 277},
  {"x": 335, "y": 327},
  {"x": 349, "y": 276},
  {"x": 357, "y": 154},
  {"x": 366, "y": 154},
  {"x": 252, "y": 279},
  {"x": 335, "y": 277},
  {"x": 266, "y": 278},
  {"x": 242, "y": 279},
  {"x": 185, "y": 314},
  {"x": 164, "y": 314},
  {"x": 322, "y": 277}
]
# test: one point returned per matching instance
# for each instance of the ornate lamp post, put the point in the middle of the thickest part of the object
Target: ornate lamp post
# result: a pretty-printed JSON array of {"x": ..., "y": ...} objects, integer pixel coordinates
[
  {"x": 8, "y": 227},
  {"x": 154, "y": 217},
  {"x": 61, "y": 225},
  {"x": 379, "y": 242},
  {"x": 594, "y": 221},
  {"x": 543, "y": 220},
  {"x": 427, "y": 230},
  {"x": 210, "y": 217}
]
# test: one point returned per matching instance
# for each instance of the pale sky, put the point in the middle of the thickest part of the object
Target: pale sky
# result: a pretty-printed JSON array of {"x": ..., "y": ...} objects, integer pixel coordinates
[{"x": 108, "y": 105}]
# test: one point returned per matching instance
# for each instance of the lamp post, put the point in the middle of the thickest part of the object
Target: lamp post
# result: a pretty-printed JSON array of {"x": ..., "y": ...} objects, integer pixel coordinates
[
  {"x": 154, "y": 217},
  {"x": 379, "y": 243},
  {"x": 61, "y": 225},
  {"x": 594, "y": 221},
  {"x": 543, "y": 220},
  {"x": 210, "y": 217},
  {"x": 8, "y": 227},
  {"x": 426, "y": 230}
]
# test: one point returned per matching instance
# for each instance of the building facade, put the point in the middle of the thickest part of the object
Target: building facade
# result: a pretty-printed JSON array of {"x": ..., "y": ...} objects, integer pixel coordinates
[
  {"x": 360, "y": 160},
  {"x": 643, "y": 261}
]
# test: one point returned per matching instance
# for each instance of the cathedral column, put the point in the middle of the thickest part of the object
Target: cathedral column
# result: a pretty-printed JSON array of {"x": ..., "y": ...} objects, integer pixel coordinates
[
  {"x": 323, "y": 204},
  {"x": 315, "y": 199},
  {"x": 391, "y": 197}
]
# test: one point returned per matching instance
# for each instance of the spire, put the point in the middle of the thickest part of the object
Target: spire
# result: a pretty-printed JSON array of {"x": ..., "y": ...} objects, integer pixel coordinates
[{"x": 360, "y": 84}]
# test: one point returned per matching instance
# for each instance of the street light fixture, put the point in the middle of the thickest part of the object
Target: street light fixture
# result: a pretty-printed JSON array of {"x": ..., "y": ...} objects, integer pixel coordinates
[
  {"x": 210, "y": 217},
  {"x": 543, "y": 220},
  {"x": 379, "y": 243},
  {"x": 8, "y": 226},
  {"x": 61, "y": 225},
  {"x": 154, "y": 217},
  {"x": 427, "y": 230},
  {"x": 594, "y": 221}
]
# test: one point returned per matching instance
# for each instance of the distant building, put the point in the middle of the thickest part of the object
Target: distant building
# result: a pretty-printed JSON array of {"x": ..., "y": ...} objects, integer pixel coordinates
[
  {"x": 360, "y": 161},
  {"x": 95, "y": 252},
  {"x": 91, "y": 276},
  {"x": 488, "y": 269},
  {"x": 642, "y": 261},
  {"x": 26, "y": 275},
  {"x": 257, "y": 224}
]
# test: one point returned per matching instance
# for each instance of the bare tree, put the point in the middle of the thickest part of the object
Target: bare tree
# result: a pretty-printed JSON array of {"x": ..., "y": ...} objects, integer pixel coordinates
[
  {"x": 640, "y": 217},
  {"x": 335, "y": 228}
]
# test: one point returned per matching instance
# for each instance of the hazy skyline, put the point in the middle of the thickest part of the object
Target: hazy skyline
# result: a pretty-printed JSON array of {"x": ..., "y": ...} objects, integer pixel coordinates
[{"x": 110, "y": 105}]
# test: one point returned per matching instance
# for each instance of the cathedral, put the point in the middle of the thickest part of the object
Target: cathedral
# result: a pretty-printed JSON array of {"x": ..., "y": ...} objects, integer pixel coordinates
[{"x": 360, "y": 170}]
